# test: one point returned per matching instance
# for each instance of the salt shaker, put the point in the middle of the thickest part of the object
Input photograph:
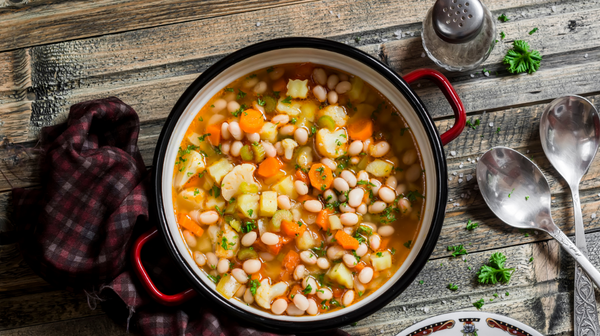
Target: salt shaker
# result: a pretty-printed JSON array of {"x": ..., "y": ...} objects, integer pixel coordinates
[{"x": 458, "y": 35}]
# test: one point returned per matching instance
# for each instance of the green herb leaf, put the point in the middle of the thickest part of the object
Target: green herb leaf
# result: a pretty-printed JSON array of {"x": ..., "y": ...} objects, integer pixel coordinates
[
  {"x": 495, "y": 272},
  {"x": 503, "y": 18},
  {"x": 521, "y": 58},
  {"x": 479, "y": 304},
  {"x": 287, "y": 100},
  {"x": 471, "y": 226},
  {"x": 452, "y": 287},
  {"x": 533, "y": 31}
]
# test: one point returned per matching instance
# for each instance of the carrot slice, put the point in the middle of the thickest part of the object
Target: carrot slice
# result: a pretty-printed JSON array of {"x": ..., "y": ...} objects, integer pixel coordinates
[
  {"x": 292, "y": 229},
  {"x": 323, "y": 219},
  {"x": 291, "y": 260},
  {"x": 300, "y": 175},
  {"x": 251, "y": 121},
  {"x": 361, "y": 129},
  {"x": 359, "y": 267},
  {"x": 303, "y": 198},
  {"x": 269, "y": 167},
  {"x": 338, "y": 292},
  {"x": 279, "y": 86},
  {"x": 384, "y": 244},
  {"x": 347, "y": 241},
  {"x": 215, "y": 134},
  {"x": 188, "y": 223},
  {"x": 320, "y": 176}
]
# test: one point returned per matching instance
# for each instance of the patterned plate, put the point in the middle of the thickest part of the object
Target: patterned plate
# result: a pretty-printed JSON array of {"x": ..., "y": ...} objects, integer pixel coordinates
[{"x": 469, "y": 323}]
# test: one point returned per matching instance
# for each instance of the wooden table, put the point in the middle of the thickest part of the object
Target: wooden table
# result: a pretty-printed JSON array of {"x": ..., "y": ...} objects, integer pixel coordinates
[{"x": 56, "y": 53}]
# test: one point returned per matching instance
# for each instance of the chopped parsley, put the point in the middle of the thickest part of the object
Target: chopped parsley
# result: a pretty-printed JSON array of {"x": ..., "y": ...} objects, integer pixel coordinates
[
  {"x": 404, "y": 129},
  {"x": 248, "y": 226},
  {"x": 250, "y": 212},
  {"x": 228, "y": 89},
  {"x": 495, "y": 271},
  {"x": 225, "y": 244},
  {"x": 213, "y": 278},
  {"x": 473, "y": 125},
  {"x": 457, "y": 250},
  {"x": 533, "y": 31},
  {"x": 527, "y": 198},
  {"x": 502, "y": 35},
  {"x": 253, "y": 284},
  {"x": 241, "y": 94},
  {"x": 239, "y": 111},
  {"x": 412, "y": 195},
  {"x": 510, "y": 193},
  {"x": 379, "y": 254},
  {"x": 472, "y": 226},
  {"x": 287, "y": 100},
  {"x": 307, "y": 290},
  {"x": 293, "y": 121},
  {"x": 503, "y": 18},
  {"x": 479, "y": 304},
  {"x": 319, "y": 251},
  {"x": 408, "y": 244},
  {"x": 452, "y": 287},
  {"x": 261, "y": 102},
  {"x": 270, "y": 69},
  {"x": 498, "y": 130},
  {"x": 215, "y": 191}
]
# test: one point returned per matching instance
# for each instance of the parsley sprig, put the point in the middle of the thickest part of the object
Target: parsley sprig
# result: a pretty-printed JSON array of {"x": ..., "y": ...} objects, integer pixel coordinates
[
  {"x": 521, "y": 58},
  {"x": 495, "y": 272}
]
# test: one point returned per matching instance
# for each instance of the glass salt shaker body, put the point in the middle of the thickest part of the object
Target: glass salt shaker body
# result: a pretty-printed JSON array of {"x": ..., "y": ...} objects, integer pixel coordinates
[{"x": 458, "y": 35}]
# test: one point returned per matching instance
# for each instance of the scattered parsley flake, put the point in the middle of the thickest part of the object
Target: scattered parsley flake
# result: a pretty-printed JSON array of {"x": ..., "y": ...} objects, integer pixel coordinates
[
  {"x": 471, "y": 226},
  {"x": 452, "y": 287},
  {"x": 479, "y": 304},
  {"x": 533, "y": 31},
  {"x": 287, "y": 100},
  {"x": 503, "y": 18},
  {"x": 457, "y": 250},
  {"x": 502, "y": 35},
  {"x": 408, "y": 244},
  {"x": 510, "y": 193}
]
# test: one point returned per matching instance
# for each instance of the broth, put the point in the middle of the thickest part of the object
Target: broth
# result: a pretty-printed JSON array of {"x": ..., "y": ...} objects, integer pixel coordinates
[{"x": 299, "y": 189}]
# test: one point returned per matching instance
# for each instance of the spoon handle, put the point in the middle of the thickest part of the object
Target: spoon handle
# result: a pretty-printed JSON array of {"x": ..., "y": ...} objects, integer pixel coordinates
[{"x": 581, "y": 259}]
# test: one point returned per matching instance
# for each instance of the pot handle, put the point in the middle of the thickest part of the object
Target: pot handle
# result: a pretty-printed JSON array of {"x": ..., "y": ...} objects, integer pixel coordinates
[
  {"x": 460, "y": 116},
  {"x": 167, "y": 300}
]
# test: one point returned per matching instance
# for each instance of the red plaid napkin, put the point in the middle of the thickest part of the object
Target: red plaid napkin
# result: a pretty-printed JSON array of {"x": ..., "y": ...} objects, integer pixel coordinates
[{"x": 79, "y": 227}]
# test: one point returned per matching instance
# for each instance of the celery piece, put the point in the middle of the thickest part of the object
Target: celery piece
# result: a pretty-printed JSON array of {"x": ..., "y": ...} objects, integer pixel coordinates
[
  {"x": 326, "y": 122},
  {"x": 246, "y": 153}
]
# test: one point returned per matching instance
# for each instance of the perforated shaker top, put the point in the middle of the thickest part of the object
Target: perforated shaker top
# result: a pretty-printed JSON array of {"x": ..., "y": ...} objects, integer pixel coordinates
[{"x": 457, "y": 21}]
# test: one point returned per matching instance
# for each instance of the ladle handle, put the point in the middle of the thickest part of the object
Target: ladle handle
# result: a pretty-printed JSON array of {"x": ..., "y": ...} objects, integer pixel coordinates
[{"x": 580, "y": 258}]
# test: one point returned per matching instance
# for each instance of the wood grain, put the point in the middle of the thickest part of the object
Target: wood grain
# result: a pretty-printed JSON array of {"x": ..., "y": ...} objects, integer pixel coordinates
[{"x": 100, "y": 325}]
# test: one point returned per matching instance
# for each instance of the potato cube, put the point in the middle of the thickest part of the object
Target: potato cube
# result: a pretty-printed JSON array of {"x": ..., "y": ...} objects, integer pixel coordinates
[
  {"x": 248, "y": 205},
  {"x": 228, "y": 285},
  {"x": 297, "y": 88},
  {"x": 380, "y": 168},
  {"x": 340, "y": 274},
  {"x": 269, "y": 132},
  {"x": 335, "y": 223},
  {"x": 268, "y": 203},
  {"x": 219, "y": 169},
  {"x": 292, "y": 108},
  {"x": 336, "y": 113},
  {"x": 381, "y": 263},
  {"x": 332, "y": 144},
  {"x": 285, "y": 187}
]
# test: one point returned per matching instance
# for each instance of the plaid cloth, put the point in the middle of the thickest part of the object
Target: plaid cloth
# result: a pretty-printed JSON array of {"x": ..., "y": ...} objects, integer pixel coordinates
[{"x": 79, "y": 227}]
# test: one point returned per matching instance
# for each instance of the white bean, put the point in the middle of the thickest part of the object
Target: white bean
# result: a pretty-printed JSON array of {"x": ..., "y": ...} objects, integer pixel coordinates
[
  {"x": 225, "y": 131},
  {"x": 301, "y": 187},
  {"x": 250, "y": 82},
  {"x": 320, "y": 93},
  {"x": 229, "y": 96},
  {"x": 279, "y": 148},
  {"x": 199, "y": 258},
  {"x": 354, "y": 160},
  {"x": 332, "y": 81},
  {"x": 260, "y": 87},
  {"x": 287, "y": 130},
  {"x": 240, "y": 292},
  {"x": 248, "y": 297},
  {"x": 329, "y": 196},
  {"x": 190, "y": 239},
  {"x": 405, "y": 206},
  {"x": 320, "y": 76},
  {"x": 349, "y": 177},
  {"x": 332, "y": 97},
  {"x": 313, "y": 206},
  {"x": 324, "y": 294},
  {"x": 270, "y": 150},
  {"x": 293, "y": 310},
  {"x": 413, "y": 173},
  {"x": 343, "y": 87},
  {"x": 284, "y": 202},
  {"x": 212, "y": 260},
  {"x": 226, "y": 147},
  {"x": 258, "y": 107},
  {"x": 312, "y": 309},
  {"x": 362, "y": 176},
  {"x": 345, "y": 208},
  {"x": 266, "y": 257},
  {"x": 279, "y": 306},
  {"x": 348, "y": 298},
  {"x": 385, "y": 231},
  {"x": 377, "y": 207},
  {"x": 355, "y": 148},
  {"x": 342, "y": 198},
  {"x": 233, "y": 106},
  {"x": 236, "y": 131},
  {"x": 209, "y": 217},
  {"x": 362, "y": 209},
  {"x": 301, "y": 302},
  {"x": 329, "y": 163},
  {"x": 269, "y": 238},
  {"x": 362, "y": 249},
  {"x": 308, "y": 257},
  {"x": 401, "y": 189},
  {"x": 387, "y": 195},
  {"x": 409, "y": 157},
  {"x": 239, "y": 275},
  {"x": 299, "y": 272},
  {"x": 366, "y": 275},
  {"x": 253, "y": 137},
  {"x": 349, "y": 219},
  {"x": 236, "y": 147},
  {"x": 219, "y": 105},
  {"x": 313, "y": 285},
  {"x": 367, "y": 144},
  {"x": 335, "y": 252},
  {"x": 375, "y": 187},
  {"x": 355, "y": 197},
  {"x": 380, "y": 149},
  {"x": 358, "y": 286},
  {"x": 276, "y": 73},
  {"x": 350, "y": 260},
  {"x": 323, "y": 263},
  {"x": 280, "y": 119},
  {"x": 340, "y": 184},
  {"x": 301, "y": 136},
  {"x": 375, "y": 242},
  {"x": 223, "y": 266},
  {"x": 391, "y": 182},
  {"x": 252, "y": 266},
  {"x": 249, "y": 238}
]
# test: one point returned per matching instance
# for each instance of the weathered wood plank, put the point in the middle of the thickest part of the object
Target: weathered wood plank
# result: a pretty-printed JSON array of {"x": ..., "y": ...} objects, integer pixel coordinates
[
  {"x": 15, "y": 104},
  {"x": 100, "y": 325},
  {"x": 51, "y": 21}
]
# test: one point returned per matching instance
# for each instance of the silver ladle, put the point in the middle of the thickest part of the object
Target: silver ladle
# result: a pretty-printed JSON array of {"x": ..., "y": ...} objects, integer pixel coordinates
[
  {"x": 517, "y": 192},
  {"x": 570, "y": 134}
]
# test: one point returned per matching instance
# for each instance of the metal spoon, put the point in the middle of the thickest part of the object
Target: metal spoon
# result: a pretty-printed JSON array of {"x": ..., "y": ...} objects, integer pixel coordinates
[
  {"x": 518, "y": 193},
  {"x": 570, "y": 134}
]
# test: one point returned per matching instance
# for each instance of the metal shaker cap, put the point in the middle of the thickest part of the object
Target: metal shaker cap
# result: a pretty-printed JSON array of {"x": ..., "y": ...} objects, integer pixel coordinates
[{"x": 457, "y": 21}]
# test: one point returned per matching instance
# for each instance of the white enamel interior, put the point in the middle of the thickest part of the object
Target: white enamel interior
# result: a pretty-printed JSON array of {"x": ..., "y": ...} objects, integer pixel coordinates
[{"x": 300, "y": 55}]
